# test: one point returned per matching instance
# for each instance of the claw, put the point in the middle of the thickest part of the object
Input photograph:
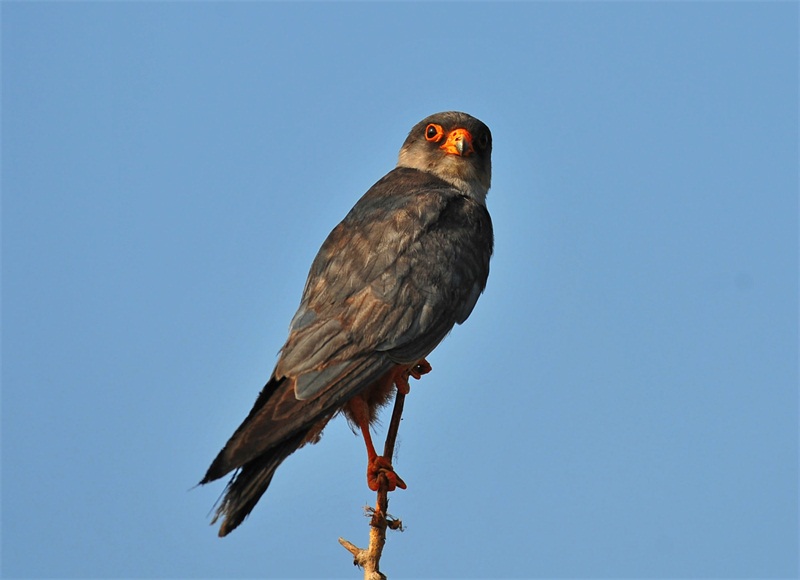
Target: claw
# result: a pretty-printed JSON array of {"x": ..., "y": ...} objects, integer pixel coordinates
[
  {"x": 423, "y": 367},
  {"x": 381, "y": 466}
]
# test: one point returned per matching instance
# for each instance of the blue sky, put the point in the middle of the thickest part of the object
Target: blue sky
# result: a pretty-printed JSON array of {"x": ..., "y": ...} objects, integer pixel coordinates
[{"x": 623, "y": 402}]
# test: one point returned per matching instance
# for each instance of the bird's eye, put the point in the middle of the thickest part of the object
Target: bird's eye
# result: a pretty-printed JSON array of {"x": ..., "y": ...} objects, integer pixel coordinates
[
  {"x": 483, "y": 141},
  {"x": 433, "y": 132}
]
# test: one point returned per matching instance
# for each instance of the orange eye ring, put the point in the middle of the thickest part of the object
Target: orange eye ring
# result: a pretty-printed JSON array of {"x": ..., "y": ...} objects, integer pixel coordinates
[{"x": 434, "y": 132}]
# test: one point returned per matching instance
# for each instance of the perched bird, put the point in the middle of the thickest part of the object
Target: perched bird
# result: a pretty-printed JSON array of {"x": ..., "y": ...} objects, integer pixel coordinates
[{"x": 391, "y": 280}]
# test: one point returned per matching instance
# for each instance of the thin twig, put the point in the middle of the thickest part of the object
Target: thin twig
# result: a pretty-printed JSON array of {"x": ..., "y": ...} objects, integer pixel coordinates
[
  {"x": 370, "y": 558},
  {"x": 394, "y": 425}
]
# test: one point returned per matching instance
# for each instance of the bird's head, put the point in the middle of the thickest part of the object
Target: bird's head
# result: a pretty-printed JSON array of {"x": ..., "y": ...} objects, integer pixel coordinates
[{"x": 455, "y": 147}]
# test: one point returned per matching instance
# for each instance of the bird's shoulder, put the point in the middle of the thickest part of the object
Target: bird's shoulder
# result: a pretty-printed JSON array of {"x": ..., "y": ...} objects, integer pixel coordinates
[
  {"x": 401, "y": 189},
  {"x": 401, "y": 206}
]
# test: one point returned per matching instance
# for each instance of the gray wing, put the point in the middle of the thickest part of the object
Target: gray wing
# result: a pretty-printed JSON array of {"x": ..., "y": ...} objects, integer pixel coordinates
[{"x": 405, "y": 265}]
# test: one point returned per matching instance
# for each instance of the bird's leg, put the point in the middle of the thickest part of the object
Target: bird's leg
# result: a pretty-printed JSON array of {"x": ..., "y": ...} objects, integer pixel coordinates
[
  {"x": 359, "y": 412},
  {"x": 379, "y": 465},
  {"x": 376, "y": 464}
]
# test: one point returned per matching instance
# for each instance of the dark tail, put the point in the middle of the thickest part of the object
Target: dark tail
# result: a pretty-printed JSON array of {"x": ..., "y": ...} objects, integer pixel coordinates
[
  {"x": 254, "y": 455},
  {"x": 279, "y": 424},
  {"x": 249, "y": 483}
]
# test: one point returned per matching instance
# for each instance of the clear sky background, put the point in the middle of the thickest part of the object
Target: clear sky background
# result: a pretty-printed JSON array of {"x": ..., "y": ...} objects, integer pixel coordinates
[{"x": 623, "y": 402}]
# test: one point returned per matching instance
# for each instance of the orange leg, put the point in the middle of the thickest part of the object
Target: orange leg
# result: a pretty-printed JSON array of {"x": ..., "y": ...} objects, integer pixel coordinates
[
  {"x": 359, "y": 410},
  {"x": 376, "y": 464}
]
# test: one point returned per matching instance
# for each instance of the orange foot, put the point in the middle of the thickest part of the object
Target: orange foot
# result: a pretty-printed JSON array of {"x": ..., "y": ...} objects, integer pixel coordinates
[
  {"x": 378, "y": 466},
  {"x": 401, "y": 375}
]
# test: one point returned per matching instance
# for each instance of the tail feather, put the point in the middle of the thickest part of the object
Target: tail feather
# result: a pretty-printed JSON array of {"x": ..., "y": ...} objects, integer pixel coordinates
[
  {"x": 278, "y": 424},
  {"x": 249, "y": 483},
  {"x": 223, "y": 463}
]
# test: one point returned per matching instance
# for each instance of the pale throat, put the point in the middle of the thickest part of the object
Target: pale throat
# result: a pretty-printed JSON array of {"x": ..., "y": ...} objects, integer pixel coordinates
[{"x": 460, "y": 175}]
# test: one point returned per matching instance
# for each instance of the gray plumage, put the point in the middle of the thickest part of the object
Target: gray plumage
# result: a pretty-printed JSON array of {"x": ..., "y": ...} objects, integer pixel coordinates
[{"x": 406, "y": 264}]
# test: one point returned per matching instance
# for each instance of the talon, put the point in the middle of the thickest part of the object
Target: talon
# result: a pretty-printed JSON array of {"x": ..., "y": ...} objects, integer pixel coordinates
[
  {"x": 400, "y": 378},
  {"x": 423, "y": 367},
  {"x": 381, "y": 466}
]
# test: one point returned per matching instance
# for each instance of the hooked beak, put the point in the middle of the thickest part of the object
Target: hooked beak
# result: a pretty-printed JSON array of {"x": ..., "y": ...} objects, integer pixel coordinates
[{"x": 459, "y": 142}]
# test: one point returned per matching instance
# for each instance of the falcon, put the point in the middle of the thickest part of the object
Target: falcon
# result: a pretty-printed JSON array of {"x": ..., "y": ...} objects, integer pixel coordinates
[{"x": 406, "y": 264}]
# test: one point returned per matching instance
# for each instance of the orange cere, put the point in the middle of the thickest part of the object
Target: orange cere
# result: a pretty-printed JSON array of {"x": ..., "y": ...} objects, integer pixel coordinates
[{"x": 459, "y": 142}]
